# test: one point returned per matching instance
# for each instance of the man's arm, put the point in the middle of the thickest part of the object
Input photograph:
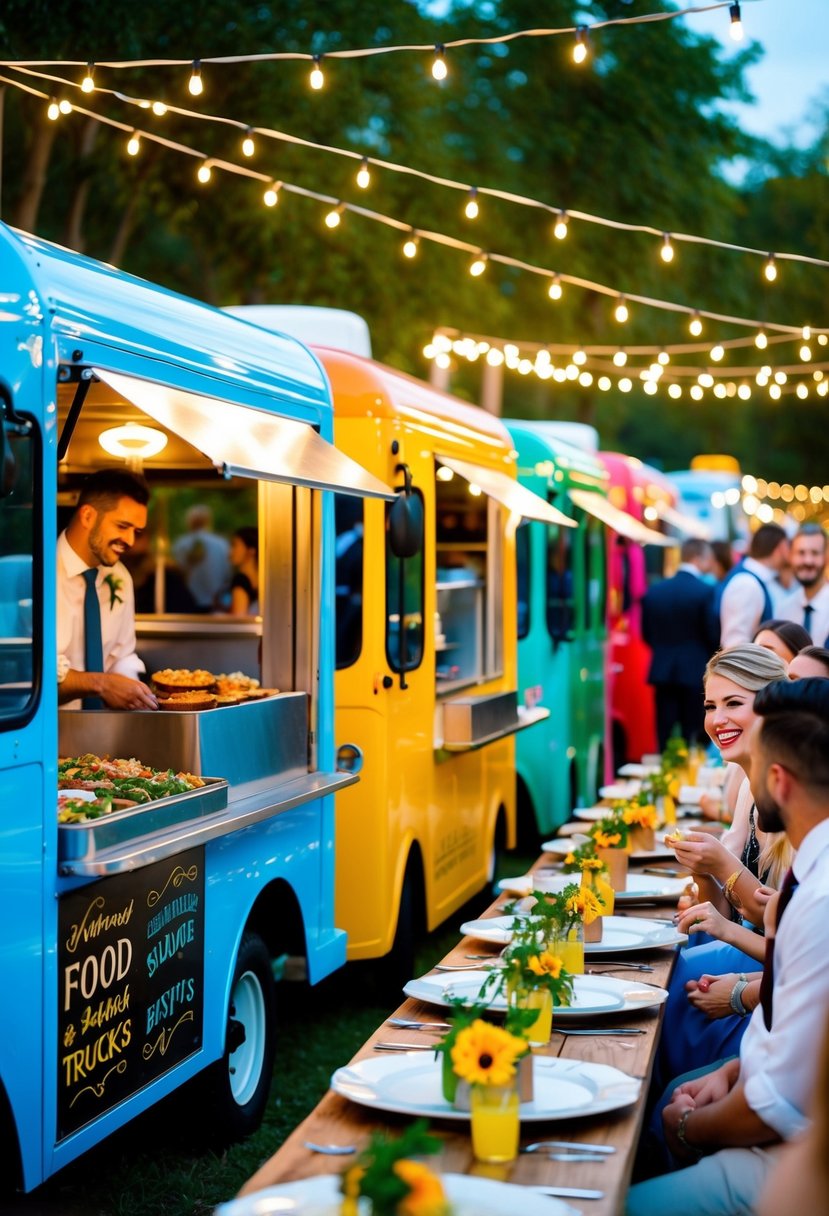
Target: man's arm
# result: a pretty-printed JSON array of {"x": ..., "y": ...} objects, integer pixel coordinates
[
  {"x": 728, "y": 1122},
  {"x": 116, "y": 691}
]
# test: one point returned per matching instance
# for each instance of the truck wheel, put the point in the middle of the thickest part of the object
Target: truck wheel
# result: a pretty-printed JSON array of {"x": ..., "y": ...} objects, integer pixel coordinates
[{"x": 238, "y": 1084}]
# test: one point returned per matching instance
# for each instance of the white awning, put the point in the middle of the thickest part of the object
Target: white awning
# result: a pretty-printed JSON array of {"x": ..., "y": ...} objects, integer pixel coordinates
[
  {"x": 619, "y": 521},
  {"x": 508, "y": 492},
  {"x": 686, "y": 524},
  {"x": 248, "y": 442}
]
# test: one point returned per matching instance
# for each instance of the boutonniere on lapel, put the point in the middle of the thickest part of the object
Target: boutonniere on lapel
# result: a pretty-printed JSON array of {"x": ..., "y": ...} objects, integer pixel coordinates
[{"x": 115, "y": 585}]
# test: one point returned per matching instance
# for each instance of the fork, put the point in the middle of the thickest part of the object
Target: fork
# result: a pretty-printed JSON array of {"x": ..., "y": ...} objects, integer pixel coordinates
[
  {"x": 330, "y": 1150},
  {"x": 543, "y": 1145},
  {"x": 597, "y": 967},
  {"x": 405, "y": 1024},
  {"x": 463, "y": 967}
]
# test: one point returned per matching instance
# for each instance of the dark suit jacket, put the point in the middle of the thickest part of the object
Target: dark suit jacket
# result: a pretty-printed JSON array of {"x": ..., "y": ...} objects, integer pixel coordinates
[{"x": 679, "y": 625}]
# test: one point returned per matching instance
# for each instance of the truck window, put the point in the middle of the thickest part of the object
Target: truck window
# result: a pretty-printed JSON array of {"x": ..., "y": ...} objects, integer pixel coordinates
[
  {"x": 404, "y": 602},
  {"x": 348, "y": 524},
  {"x": 560, "y": 592},
  {"x": 522, "y": 559},
  {"x": 21, "y": 646}
]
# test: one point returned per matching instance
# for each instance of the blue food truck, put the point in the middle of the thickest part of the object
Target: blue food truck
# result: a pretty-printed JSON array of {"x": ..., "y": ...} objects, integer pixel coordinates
[{"x": 137, "y": 946}]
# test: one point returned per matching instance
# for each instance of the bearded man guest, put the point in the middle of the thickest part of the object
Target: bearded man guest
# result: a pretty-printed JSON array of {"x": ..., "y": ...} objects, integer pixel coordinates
[{"x": 809, "y": 604}]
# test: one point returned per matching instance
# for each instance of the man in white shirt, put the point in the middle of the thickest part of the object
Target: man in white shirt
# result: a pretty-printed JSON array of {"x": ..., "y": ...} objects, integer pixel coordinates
[
  {"x": 746, "y": 598},
  {"x": 809, "y": 604},
  {"x": 97, "y": 663},
  {"x": 740, "y": 1111}
]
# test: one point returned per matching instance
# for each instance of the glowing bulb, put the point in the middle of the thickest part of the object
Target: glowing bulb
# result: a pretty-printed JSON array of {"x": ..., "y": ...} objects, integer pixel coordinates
[
  {"x": 605, "y": 383},
  {"x": 560, "y": 229},
  {"x": 439, "y": 69},
  {"x": 134, "y": 144},
  {"x": 719, "y": 390},
  {"x": 363, "y": 175},
  {"x": 761, "y": 341},
  {"x": 667, "y": 250},
  {"x": 332, "y": 220},
  {"x": 806, "y": 333},
  {"x": 53, "y": 112},
  {"x": 554, "y": 291},
  {"x": 471, "y": 208},
  {"x": 585, "y": 379},
  {"x": 802, "y": 391},
  {"x": 674, "y": 390},
  {"x": 664, "y": 358},
  {"x": 696, "y": 392},
  {"x": 805, "y": 353},
  {"x": 622, "y": 313},
  {"x": 620, "y": 358},
  {"x": 88, "y": 82},
  {"x": 695, "y": 325},
  {"x": 410, "y": 246},
  {"x": 248, "y": 146},
  {"x": 580, "y": 49},
  {"x": 195, "y": 82},
  {"x": 204, "y": 172},
  {"x": 316, "y": 79},
  {"x": 159, "y": 109},
  {"x": 706, "y": 379},
  {"x": 650, "y": 387},
  {"x": 780, "y": 377},
  {"x": 744, "y": 392},
  {"x": 478, "y": 266},
  {"x": 775, "y": 392},
  {"x": 65, "y": 106},
  {"x": 271, "y": 195},
  {"x": 771, "y": 269},
  {"x": 579, "y": 357},
  {"x": 717, "y": 352},
  {"x": 736, "y": 27},
  {"x": 625, "y": 385}
]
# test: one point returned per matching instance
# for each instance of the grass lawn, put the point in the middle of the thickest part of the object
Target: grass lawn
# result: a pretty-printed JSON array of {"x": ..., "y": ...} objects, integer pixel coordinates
[{"x": 149, "y": 1169}]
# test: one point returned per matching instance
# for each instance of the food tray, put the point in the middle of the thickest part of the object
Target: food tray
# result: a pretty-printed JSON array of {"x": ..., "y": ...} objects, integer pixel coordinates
[{"x": 83, "y": 841}]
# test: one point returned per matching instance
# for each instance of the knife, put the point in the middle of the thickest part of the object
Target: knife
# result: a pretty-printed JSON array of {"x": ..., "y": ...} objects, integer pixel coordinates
[
  {"x": 665, "y": 873},
  {"x": 404, "y": 1046},
  {"x": 619, "y": 1031},
  {"x": 567, "y": 1192}
]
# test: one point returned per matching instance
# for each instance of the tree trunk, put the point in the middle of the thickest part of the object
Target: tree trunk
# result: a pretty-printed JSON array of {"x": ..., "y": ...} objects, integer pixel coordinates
[
  {"x": 74, "y": 221},
  {"x": 131, "y": 213},
  {"x": 43, "y": 132}
]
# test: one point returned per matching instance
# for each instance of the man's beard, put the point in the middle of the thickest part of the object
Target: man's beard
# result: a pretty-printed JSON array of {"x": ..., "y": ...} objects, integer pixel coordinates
[
  {"x": 809, "y": 580},
  {"x": 769, "y": 814},
  {"x": 99, "y": 549}
]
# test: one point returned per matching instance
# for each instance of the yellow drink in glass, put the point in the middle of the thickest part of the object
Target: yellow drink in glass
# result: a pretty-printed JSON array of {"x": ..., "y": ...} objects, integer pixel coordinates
[
  {"x": 570, "y": 950},
  {"x": 495, "y": 1122},
  {"x": 669, "y": 810}
]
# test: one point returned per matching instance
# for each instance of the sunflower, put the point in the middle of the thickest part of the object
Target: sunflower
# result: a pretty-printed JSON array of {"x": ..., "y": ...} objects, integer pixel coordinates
[
  {"x": 485, "y": 1054},
  {"x": 640, "y": 816},
  {"x": 592, "y": 863},
  {"x": 426, "y": 1195},
  {"x": 607, "y": 840},
  {"x": 545, "y": 964},
  {"x": 585, "y": 904}
]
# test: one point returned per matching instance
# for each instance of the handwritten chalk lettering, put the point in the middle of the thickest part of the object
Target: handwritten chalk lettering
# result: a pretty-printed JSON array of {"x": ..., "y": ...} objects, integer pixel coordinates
[
  {"x": 91, "y": 926},
  {"x": 95, "y": 972},
  {"x": 79, "y": 1065},
  {"x": 180, "y": 906},
  {"x": 170, "y": 944},
  {"x": 168, "y": 1003},
  {"x": 112, "y": 1007}
]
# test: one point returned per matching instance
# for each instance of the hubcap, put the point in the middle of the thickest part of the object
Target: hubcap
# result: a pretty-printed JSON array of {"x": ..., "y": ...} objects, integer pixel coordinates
[{"x": 245, "y": 1063}]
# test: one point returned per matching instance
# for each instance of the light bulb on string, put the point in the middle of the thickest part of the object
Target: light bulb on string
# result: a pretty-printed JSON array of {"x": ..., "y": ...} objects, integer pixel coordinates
[
  {"x": 159, "y": 109},
  {"x": 204, "y": 172},
  {"x": 663, "y": 357},
  {"x": 478, "y": 266},
  {"x": 248, "y": 146},
  {"x": 580, "y": 49},
  {"x": 271, "y": 196},
  {"x": 471, "y": 208},
  {"x": 579, "y": 357},
  {"x": 770, "y": 269},
  {"x": 667, "y": 250},
  {"x": 736, "y": 27},
  {"x": 363, "y": 174},
  {"x": 761, "y": 341},
  {"x": 410, "y": 245},
  {"x": 622, "y": 312},
  {"x": 805, "y": 353},
  {"x": 317, "y": 79},
  {"x": 560, "y": 229},
  {"x": 65, "y": 106},
  {"x": 332, "y": 220},
  {"x": 53, "y": 110},
  {"x": 620, "y": 358},
  {"x": 695, "y": 325},
  {"x": 195, "y": 84},
  {"x": 717, "y": 352},
  {"x": 439, "y": 68},
  {"x": 554, "y": 291},
  {"x": 806, "y": 333},
  {"x": 134, "y": 144},
  {"x": 88, "y": 82}
]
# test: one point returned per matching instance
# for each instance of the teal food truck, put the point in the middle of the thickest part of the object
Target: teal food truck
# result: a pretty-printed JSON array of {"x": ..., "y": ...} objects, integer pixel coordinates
[{"x": 137, "y": 946}]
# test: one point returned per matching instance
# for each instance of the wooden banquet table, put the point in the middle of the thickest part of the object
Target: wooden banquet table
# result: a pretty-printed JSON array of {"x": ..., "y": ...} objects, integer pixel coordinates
[{"x": 336, "y": 1120}]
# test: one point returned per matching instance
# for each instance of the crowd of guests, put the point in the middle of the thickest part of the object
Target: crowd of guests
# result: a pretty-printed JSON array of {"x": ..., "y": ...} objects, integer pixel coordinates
[{"x": 740, "y": 1101}]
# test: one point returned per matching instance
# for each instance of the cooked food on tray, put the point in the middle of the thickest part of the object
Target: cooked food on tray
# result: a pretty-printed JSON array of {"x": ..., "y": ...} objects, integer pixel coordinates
[
  {"x": 190, "y": 700},
  {"x": 182, "y": 679},
  {"x": 236, "y": 682},
  {"x": 118, "y": 785},
  {"x": 181, "y": 689}
]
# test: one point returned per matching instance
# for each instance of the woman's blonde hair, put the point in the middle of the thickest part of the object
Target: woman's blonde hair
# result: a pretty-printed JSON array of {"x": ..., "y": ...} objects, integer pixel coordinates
[
  {"x": 753, "y": 667},
  {"x": 749, "y": 665}
]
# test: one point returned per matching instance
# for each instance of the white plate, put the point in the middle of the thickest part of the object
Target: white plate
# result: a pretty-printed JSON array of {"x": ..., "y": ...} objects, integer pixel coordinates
[
  {"x": 620, "y": 789},
  {"x": 81, "y": 795},
  {"x": 619, "y": 933},
  {"x": 639, "y": 770},
  {"x": 469, "y": 1196},
  {"x": 593, "y": 995},
  {"x": 563, "y": 845},
  {"x": 410, "y": 1084},
  {"x": 641, "y": 888},
  {"x": 592, "y": 813}
]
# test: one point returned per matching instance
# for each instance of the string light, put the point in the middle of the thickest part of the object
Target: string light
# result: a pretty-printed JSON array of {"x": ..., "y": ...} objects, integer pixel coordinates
[
  {"x": 620, "y": 358},
  {"x": 625, "y": 384},
  {"x": 716, "y": 353},
  {"x": 560, "y": 229},
  {"x": 471, "y": 208},
  {"x": 579, "y": 357},
  {"x": 478, "y": 266},
  {"x": 332, "y": 219},
  {"x": 271, "y": 195},
  {"x": 195, "y": 84},
  {"x": 554, "y": 291},
  {"x": 317, "y": 79},
  {"x": 580, "y": 49},
  {"x": 439, "y": 68},
  {"x": 134, "y": 144},
  {"x": 88, "y": 82},
  {"x": 363, "y": 174},
  {"x": 248, "y": 146},
  {"x": 695, "y": 325},
  {"x": 410, "y": 245},
  {"x": 667, "y": 250},
  {"x": 65, "y": 106},
  {"x": 736, "y": 27},
  {"x": 159, "y": 109},
  {"x": 770, "y": 270},
  {"x": 53, "y": 110},
  {"x": 761, "y": 341},
  {"x": 805, "y": 353},
  {"x": 664, "y": 358},
  {"x": 622, "y": 312},
  {"x": 204, "y": 172}
]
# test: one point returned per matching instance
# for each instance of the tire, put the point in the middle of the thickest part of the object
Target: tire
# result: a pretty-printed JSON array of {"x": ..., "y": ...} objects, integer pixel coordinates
[
  {"x": 398, "y": 966},
  {"x": 235, "y": 1088}
]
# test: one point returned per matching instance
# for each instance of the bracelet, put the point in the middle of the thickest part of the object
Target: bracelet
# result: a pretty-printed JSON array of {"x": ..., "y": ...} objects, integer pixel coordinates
[
  {"x": 736, "y": 998},
  {"x": 681, "y": 1134},
  {"x": 728, "y": 889}
]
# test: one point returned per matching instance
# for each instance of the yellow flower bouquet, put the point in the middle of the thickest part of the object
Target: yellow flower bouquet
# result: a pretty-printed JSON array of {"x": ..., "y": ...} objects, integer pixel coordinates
[
  {"x": 641, "y": 819},
  {"x": 610, "y": 837},
  {"x": 393, "y": 1184},
  {"x": 487, "y": 1057}
]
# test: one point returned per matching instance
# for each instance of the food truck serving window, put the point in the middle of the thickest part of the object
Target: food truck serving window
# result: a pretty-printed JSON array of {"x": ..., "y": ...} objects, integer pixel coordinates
[{"x": 21, "y": 646}]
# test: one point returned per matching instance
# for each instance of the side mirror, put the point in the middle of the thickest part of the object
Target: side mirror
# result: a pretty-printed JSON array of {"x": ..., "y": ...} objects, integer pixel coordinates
[
  {"x": 7, "y": 465},
  {"x": 406, "y": 520}
]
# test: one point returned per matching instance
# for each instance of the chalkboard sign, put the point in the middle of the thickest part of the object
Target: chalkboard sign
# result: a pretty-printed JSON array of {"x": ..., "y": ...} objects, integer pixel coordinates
[{"x": 131, "y": 984}]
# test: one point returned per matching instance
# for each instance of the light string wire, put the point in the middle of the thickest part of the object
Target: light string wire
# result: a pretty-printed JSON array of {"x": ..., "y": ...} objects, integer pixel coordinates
[
  {"x": 367, "y": 52},
  {"x": 426, "y": 234}
]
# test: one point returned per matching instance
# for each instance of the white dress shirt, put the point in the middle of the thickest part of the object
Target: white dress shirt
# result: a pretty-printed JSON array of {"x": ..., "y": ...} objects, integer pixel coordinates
[
  {"x": 780, "y": 1066},
  {"x": 117, "y": 616},
  {"x": 792, "y": 610},
  {"x": 742, "y": 604}
]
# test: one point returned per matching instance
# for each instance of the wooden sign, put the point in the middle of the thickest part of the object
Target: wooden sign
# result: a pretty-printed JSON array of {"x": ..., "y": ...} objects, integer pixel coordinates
[{"x": 131, "y": 984}]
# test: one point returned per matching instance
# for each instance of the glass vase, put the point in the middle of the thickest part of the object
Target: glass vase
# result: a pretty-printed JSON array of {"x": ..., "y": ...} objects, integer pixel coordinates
[
  {"x": 539, "y": 1032},
  {"x": 495, "y": 1122},
  {"x": 568, "y": 945},
  {"x": 599, "y": 883}
]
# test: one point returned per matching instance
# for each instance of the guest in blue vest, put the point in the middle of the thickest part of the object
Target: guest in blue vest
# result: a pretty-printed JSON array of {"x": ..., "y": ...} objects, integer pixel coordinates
[
  {"x": 97, "y": 663},
  {"x": 745, "y": 596}
]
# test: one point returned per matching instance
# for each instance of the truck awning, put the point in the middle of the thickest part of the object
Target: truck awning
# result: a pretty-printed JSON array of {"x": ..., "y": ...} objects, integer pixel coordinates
[
  {"x": 248, "y": 442},
  {"x": 508, "y": 492},
  {"x": 619, "y": 521},
  {"x": 686, "y": 524}
]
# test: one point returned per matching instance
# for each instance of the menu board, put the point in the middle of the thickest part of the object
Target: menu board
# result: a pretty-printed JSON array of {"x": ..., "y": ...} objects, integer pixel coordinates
[{"x": 131, "y": 984}]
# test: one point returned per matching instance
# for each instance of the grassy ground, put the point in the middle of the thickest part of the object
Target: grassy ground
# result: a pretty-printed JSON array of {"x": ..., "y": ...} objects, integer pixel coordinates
[{"x": 147, "y": 1169}]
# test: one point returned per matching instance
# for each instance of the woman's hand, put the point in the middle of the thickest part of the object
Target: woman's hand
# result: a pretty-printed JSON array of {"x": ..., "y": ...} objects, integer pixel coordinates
[
  {"x": 704, "y": 918},
  {"x": 702, "y": 854},
  {"x": 711, "y": 994}
]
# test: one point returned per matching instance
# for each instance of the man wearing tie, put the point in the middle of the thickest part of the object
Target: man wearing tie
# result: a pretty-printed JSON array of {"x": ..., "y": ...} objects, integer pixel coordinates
[
  {"x": 809, "y": 604},
  {"x": 97, "y": 664}
]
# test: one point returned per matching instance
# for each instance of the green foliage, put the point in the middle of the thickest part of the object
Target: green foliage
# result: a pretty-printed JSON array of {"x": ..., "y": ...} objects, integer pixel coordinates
[{"x": 380, "y": 1183}]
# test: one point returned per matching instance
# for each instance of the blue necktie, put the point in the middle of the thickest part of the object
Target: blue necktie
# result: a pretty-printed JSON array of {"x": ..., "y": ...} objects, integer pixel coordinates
[
  {"x": 807, "y": 618},
  {"x": 93, "y": 646},
  {"x": 787, "y": 890}
]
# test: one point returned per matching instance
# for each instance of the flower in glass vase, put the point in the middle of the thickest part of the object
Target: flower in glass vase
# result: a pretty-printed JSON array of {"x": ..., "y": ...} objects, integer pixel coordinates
[
  {"x": 610, "y": 836},
  {"x": 487, "y": 1056},
  {"x": 393, "y": 1183},
  {"x": 461, "y": 1016},
  {"x": 535, "y": 978},
  {"x": 641, "y": 819},
  {"x": 594, "y": 876},
  {"x": 586, "y": 903}
]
